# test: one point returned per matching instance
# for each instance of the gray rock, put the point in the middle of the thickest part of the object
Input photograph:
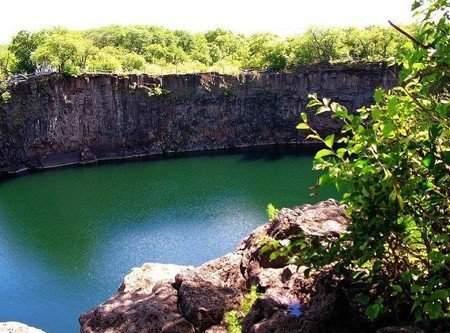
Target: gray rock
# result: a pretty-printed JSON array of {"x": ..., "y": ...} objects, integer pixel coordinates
[
  {"x": 145, "y": 278},
  {"x": 15, "y": 327},
  {"x": 205, "y": 304},
  {"x": 137, "y": 313}
]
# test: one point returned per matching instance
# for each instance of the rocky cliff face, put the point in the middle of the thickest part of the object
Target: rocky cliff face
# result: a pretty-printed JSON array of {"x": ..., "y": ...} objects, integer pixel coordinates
[{"x": 54, "y": 120}]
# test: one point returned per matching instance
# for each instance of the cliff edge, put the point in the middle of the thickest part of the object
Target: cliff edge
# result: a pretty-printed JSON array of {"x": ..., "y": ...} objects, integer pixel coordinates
[{"x": 53, "y": 120}]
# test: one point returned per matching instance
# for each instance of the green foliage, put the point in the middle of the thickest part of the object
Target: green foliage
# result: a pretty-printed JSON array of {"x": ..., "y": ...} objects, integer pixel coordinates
[
  {"x": 271, "y": 211},
  {"x": 22, "y": 46},
  {"x": 391, "y": 162},
  {"x": 159, "y": 50},
  {"x": 5, "y": 97},
  {"x": 317, "y": 45},
  {"x": 132, "y": 62},
  {"x": 233, "y": 322},
  {"x": 106, "y": 59},
  {"x": 8, "y": 62},
  {"x": 66, "y": 51},
  {"x": 233, "y": 318}
]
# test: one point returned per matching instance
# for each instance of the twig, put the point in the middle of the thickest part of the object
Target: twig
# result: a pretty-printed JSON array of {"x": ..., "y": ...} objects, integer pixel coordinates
[{"x": 403, "y": 32}]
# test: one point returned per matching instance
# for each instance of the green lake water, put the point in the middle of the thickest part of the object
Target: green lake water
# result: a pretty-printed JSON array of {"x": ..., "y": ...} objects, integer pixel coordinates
[{"x": 68, "y": 237}]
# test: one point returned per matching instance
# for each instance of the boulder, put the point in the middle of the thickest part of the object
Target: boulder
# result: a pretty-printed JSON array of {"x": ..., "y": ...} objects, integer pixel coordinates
[
  {"x": 205, "y": 304},
  {"x": 221, "y": 272},
  {"x": 143, "y": 279},
  {"x": 137, "y": 313},
  {"x": 15, "y": 327},
  {"x": 323, "y": 220}
]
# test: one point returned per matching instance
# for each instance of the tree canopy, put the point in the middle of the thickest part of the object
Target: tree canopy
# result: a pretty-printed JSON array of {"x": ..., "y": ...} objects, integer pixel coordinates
[{"x": 157, "y": 49}]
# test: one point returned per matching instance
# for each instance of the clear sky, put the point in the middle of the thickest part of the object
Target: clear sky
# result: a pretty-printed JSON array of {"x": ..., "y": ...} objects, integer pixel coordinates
[{"x": 285, "y": 17}]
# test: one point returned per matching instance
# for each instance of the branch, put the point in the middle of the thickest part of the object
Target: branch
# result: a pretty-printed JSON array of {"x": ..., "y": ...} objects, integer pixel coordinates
[{"x": 409, "y": 36}]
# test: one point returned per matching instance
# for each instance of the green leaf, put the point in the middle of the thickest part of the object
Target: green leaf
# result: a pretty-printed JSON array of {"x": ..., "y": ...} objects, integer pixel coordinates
[
  {"x": 304, "y": 117},
  {"x": 435, "y": 131},
  {"x": 341, "y": 152},
  {"x": 398, "y": 289},
  {"x": 313, "y": 102},
  {"x": 324, "y": 179},
  {"x": 373, "y": 311},
  {"x": 329, "y": 141},
  {"x": 441, "y": 294},
  {"x": 443, "y": 110},
  {"x": 433, "y": 310},
  {"x": 428, "y": 161},
  {"x": 313, "y": 137},
  {"x": 323, "y": 109},
  {"x": 323, "y": 153},
  {"x": 446, "y": 156},
  {"x": 378, "y": 95},
  {"x": 303, "y": 126},
  {"x": 388, "y": 128}
]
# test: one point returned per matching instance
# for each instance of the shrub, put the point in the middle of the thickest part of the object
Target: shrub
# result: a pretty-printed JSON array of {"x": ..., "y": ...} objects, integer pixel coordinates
[
  {"x": 271, "y": 211},
  {"x": 391, "y": 162},
  {"x": 233, "y": 318}
]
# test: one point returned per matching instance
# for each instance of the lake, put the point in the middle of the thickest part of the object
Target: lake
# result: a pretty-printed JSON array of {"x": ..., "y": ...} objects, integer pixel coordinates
[{"x": 68, "y": 236}]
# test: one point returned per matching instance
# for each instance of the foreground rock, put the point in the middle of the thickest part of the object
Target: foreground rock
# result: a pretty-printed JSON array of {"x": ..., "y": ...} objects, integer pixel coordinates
[
  {"x": 177, "y": 299},
  {"x": 14, "y": 327}
]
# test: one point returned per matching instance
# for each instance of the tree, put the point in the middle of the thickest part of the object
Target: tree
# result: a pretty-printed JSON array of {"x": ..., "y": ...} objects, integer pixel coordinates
[
  {"x": 373, "y": 43},
  {"x": 266, "y": 51},
  {"x": 392, "y": 166},
  {"x": 8, "y": 62},
  {"x": 132, "y": 62},
  {"x": 22, "y": 46},
  {"x": 200, "y": 50},
  {"x": 225, "y": 45},
  {"x": 317, "y": 45},
  {"x": 104, "y": 60},
  {"x": 67, "y": 52}
]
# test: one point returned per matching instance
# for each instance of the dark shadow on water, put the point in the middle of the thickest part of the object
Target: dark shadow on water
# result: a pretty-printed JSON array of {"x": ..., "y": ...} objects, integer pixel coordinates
[
  {"x": 275, "y": 153},
  {"x": 254, "y": 153}
]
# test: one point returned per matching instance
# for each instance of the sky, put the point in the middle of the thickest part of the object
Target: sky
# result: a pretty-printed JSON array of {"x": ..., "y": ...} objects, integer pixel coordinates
[{"x": 284, "y": 17}]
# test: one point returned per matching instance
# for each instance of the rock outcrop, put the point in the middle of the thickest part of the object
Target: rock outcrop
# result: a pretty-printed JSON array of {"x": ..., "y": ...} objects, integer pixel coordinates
[
  {"x": 52, "y": 120},
  {"x": 196, "y": 299},
  {"x": 15, "y": 327}
]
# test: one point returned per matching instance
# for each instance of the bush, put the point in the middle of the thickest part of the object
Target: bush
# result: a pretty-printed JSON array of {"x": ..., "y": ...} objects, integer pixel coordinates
[{"x": 391, "y": 162}]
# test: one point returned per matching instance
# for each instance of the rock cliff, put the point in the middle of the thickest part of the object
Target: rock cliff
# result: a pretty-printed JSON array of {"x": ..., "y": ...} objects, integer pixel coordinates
[{"x": 53, "y": 120}]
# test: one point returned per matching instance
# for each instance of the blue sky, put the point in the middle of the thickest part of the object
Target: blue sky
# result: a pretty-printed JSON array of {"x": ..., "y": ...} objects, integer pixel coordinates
[{"x": 285, "y": 17}]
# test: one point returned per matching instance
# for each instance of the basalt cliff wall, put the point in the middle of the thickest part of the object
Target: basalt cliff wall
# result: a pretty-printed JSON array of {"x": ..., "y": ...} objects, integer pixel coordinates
[{"x": 53, "y": 120}]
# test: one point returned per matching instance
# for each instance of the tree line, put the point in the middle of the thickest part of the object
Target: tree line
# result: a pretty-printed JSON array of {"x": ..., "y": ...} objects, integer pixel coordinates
[{"x": 159, "y": 50}]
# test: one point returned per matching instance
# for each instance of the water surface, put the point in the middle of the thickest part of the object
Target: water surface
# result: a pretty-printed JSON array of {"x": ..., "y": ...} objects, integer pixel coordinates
[{"x": 67, "y": 237}]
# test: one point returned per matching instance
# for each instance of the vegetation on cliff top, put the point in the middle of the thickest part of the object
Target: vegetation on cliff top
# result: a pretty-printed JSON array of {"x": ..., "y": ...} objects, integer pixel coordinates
[
  {"x": 392, "y": 165},
  {"x": 157, "y": 50}
]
